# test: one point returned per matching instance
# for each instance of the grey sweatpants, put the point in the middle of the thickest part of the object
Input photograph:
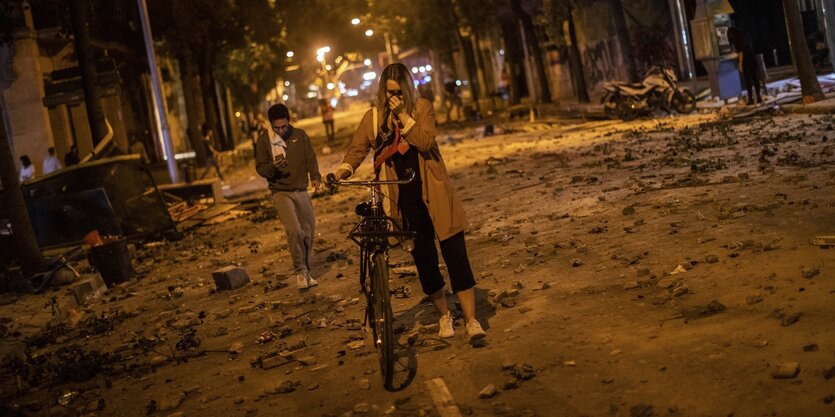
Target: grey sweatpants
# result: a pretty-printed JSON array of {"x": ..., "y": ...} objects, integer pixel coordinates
[{"x": 296, "y": 213}]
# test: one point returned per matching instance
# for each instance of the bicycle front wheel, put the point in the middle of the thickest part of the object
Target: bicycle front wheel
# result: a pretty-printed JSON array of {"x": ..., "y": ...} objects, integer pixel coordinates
[{"x": 382, "y": 317}]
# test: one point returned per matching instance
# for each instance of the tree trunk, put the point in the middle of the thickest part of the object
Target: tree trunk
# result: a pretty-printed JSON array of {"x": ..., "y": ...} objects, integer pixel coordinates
[
  {"x": 809, "y": 85},
  {"x": 513, "y": 53},
  {"x": 210, "y": 104},
  {"x": 25, "y": 244},
  {"x": 189, "y": 81},
  {"x": 533, "y": 47},
  {"x": 624, "y": 40},
  {"x": 577, "y": 73},
  {"x": 87, "y": 65},
  {"x": 465, "y": 46}
]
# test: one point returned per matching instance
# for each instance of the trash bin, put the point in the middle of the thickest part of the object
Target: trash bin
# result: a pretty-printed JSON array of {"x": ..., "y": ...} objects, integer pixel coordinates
[{"x": 112, "y": 260}]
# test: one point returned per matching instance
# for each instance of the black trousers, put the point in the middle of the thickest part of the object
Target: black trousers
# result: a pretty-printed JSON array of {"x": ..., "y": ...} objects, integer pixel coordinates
[
  {"x": 329, "y": 131},
  {"x": 752, "y": 81},
  {"x": 425, "y": 254}
]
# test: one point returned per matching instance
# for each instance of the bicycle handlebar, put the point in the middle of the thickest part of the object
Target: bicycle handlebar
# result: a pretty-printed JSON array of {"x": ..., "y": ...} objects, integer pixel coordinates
[{"x": 332, "y": 182}]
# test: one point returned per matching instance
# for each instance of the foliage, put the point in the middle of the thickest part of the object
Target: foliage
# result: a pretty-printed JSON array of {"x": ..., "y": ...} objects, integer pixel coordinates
[{"x": 241, "y": 37}]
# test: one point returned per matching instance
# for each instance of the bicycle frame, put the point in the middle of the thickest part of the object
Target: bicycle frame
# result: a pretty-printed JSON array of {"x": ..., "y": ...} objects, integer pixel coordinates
[{"x": 372, "y": 234}]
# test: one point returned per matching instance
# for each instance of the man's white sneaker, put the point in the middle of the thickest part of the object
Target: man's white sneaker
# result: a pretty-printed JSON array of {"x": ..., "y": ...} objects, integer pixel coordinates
[
  {"x": 474, "y": 330},
  {"x": 445, "y": 329},
  {"x": 311, "y": 282},
  {"x": 301, "y": 281}
]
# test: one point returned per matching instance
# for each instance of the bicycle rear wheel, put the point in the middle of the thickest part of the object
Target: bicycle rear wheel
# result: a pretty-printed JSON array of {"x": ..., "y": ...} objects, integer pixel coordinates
[{"x": 381, "y": 316}]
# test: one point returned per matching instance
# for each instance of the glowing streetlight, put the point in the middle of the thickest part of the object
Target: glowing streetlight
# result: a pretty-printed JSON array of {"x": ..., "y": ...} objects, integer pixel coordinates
[
  {"x": 330, "y": 86},
  {"x": 429, "y": 68},
  {"x": 286, "y": 83},
  {"x": 369, "y": 33},
  {"x": 290, "y": 54},
  {"x": 367, "y": 62},
  {"x": 414, "y": 70},
  {"x": 355, "y": 21},
  {"x": 328, "y": 67},
  {"x": 422, "y": 68},
  {"x": 369, "y": 76},
  {"x": 323, "y": 50}
]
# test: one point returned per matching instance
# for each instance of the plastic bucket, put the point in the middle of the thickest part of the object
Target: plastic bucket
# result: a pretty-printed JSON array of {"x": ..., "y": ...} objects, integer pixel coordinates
[{"x": 112, "y": 260}]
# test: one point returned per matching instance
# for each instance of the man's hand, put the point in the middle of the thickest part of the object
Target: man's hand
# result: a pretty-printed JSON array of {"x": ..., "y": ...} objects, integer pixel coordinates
[{"x": 280, "y": 162}]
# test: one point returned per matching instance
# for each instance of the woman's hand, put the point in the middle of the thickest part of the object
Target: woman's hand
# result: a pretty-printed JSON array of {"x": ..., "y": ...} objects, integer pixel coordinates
[{"x": 396, "y": 106}]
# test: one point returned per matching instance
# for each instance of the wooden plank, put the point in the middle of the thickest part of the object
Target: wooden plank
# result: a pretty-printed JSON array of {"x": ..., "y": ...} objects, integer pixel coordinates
[
  {"x": 442, "y": 398},
  {"x": 215, "y": 210},
  {"x": 823, "y": 240}
]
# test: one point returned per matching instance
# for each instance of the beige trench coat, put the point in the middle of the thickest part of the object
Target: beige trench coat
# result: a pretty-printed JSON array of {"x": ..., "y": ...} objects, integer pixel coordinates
[{"x": 444, "y": 205}]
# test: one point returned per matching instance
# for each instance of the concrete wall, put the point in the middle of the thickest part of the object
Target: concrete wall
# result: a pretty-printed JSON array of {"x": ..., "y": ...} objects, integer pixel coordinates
[{"x": 28, "y": 120}]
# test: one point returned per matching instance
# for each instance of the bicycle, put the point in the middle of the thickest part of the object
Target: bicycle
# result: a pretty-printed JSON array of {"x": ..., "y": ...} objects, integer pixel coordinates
[{"x": 373, "y": 234}]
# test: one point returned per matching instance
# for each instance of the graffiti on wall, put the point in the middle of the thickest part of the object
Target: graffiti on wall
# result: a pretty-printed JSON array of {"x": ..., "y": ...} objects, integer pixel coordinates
[{"x": 601, "y": 63}]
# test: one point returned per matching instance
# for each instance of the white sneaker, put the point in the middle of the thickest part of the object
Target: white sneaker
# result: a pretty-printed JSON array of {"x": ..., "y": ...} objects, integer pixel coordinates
[
  {"x": 474, "y": 330},
  {"x": 301, "y": 281},
  {"x": 311, "y": 282},
  {"x": 445, "y": 330}
]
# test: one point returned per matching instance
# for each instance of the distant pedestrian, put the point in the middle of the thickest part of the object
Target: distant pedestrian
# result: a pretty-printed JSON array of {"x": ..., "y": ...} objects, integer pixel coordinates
[
  {"x": 71, "y": 158},
  {"x": 51, "y": 162},
  {"x": 747, "y": 63},
  {"x": 288, "y": 162},
  {"x": 504, "y": 86},
  {"x": 27, "y": 172},
  {"x": 327, "y": 120},
  {"x": 211, "y": 151},
  {"x": 452, "y": 100}
]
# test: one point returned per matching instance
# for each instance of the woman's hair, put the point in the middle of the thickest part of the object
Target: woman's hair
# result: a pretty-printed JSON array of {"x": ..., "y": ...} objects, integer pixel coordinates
[
  {"x": 397, "y": 72},
  {"x": 25, "y": 160}
]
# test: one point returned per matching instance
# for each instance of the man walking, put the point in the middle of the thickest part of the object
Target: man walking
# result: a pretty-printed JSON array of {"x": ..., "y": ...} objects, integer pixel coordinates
[
  {"x": 211, "y": 151},
  {"x": 287, "y": 160},
  {"x": 51, "y": 162}
]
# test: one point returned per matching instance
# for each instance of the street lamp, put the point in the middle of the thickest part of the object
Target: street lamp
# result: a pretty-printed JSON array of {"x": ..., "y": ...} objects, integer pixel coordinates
[
  {"x": 355, "y": 21},
  {"x": 290, "y": 54},
  {"x": 367, "y": 62},
  {"x": 369, "y": 33}
]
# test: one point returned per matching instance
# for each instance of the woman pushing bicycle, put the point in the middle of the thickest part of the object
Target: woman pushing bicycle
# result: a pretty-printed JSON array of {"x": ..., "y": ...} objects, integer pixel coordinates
[{"x": 401, "y": 130}]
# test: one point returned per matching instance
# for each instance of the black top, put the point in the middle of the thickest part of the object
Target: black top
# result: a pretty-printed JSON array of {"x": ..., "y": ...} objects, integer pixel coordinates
[
  {"x": 71, "y": 158},
  {"x": 404, "y": 165},
  {"x": 741, "y": 43}
]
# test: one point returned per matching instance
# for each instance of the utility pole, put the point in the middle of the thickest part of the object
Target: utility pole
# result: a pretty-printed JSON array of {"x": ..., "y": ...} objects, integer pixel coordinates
[
  {"x": 87, "y": 66},
  {"x": 156, "y": 92}
]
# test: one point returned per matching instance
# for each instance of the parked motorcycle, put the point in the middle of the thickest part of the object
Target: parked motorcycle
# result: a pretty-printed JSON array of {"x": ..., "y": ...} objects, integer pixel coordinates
[{"x": 658, "y": 90}]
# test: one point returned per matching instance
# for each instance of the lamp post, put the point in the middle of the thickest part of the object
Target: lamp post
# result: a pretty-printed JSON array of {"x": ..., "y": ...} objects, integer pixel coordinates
[{"x": 391, "y": 53}]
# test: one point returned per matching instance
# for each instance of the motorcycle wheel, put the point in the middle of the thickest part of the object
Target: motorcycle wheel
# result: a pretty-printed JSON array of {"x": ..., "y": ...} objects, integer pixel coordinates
[
  {"x": 684, "y": 102},
  {"x": 627, "y": 108}
]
